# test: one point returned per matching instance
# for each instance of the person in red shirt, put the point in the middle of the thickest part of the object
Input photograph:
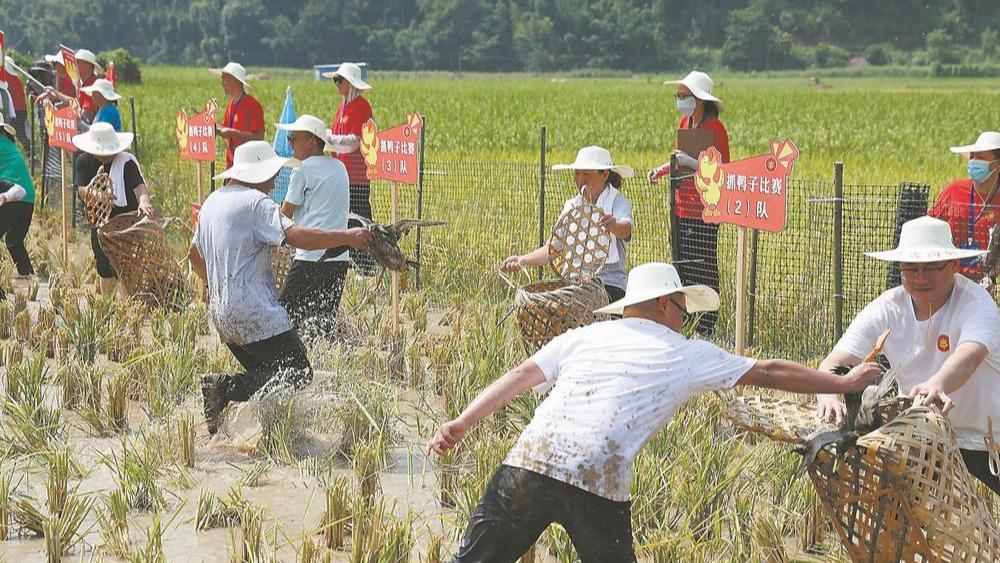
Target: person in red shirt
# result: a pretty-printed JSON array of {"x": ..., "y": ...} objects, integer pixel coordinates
[
  {"x": 344, "y": 135},
  {"x": 89, "y": 68},
  {"x": 244, "y": 118},
  {"x": 971, "y": 206},
  {"x": 697, "y": 256}
]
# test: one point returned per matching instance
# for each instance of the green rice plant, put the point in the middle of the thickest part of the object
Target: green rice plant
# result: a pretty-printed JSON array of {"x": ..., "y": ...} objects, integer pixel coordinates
[
  {"x": 116, "y": 411},
  {"x": 6, "y": 320},
  {"x": 213, "y": 512},
  {"x": 251, "y": 476},
  {"x": 30, "y": 426},
  {"x": 415, "y": 307},
  {"x": 153, "y": 552},
  {"x": 768, "y": 539},
  {"x": 32, "y": 293},
  {"x": 6, "y": 488},
  {"x": 135, "y": 474},
  {"x": 249, "y": 544},
  {"x": 169, "y": 376},
  {"x": 114, "y": 526},
  {"x": 434, "y": 554},
  {"x": 333, "y": 524},
  {"x": 26, "y": 513},
  {"x": 399, "y": 540},
  {"x": 22, "y": 327},
  {"x": 447, "y": 477},
  {"x": 57, "y": 480},
  {"x": 45, "y": 322},
  {"x": 185, "y": 437},
  {"x": 6, "y": 276},
  {"x": 366, "y": 413},
  {"x": 13, "y": 352},
  {"x": 25, "y": 380},
  {"x": 367, "y": 463},
  {"x": 368, "y": 534},
  {"x": 415, "y": 365},
  {"x": 283, "y": 427},
  {"x": 87, "y": 333},
  {"x": 19, "y": 304},
  {"x": 91, "y": 394},
  {"x": 70, "y": 376},
  {"x": 62, "y": 531}
]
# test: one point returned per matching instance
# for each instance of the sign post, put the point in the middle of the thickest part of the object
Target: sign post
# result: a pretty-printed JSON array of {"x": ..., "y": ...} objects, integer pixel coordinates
[
  {"x": 394, "y": 155},
  {"x": 61, "y": 124},
  {"x": 752, "y": 194}
]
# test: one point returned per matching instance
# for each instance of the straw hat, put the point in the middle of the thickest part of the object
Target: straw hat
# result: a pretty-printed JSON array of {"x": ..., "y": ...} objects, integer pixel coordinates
[
  {"x": 235, "y": 70},
  {"x": 7, "y": 127},
  {"x": 925, "y": 239},
  {"x": 657, "y": 279},
  {"x": 987, "y": 141},
  {"x": 309, "y": 124},
  {"x": 88, "y": 56},
  {"x": 255, "y": 162},
  {"x": 351, "y": 73},
  {"x": 102, "y": 140},
  {"x": 700, "y": 85},
  {"x": 596, "y": 158},
  {"x": 104, "y": 88}
]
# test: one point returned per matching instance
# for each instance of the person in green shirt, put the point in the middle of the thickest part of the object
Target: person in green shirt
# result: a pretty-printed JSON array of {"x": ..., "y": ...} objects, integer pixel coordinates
[{"x": 17, "y": 199}]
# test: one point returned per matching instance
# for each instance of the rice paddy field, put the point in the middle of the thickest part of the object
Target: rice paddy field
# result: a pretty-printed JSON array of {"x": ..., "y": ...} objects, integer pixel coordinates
[{"x": 104, "y": 455}]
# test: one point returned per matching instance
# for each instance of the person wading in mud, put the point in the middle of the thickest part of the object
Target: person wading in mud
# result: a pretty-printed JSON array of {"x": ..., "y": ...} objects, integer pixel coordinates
[
  {"x": 614, "y": 385},
  {"x": 231, "y": 253}
]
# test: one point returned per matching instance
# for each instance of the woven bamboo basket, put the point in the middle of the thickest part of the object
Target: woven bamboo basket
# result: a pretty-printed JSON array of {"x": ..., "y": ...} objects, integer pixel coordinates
[
  {"x": 578, "y": 249},
  {"x": 902, "y": 493},
  {"x": 281, "y": 260},
  {"x": 99, "y": 199},
  {"x": 138, "y": 251}
]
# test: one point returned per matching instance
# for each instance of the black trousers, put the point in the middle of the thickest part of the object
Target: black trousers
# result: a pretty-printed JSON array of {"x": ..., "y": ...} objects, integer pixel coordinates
[
  {"x": 104, "y": 268},
  {"x": 518, "y": 505},
  {"x": 311, "y": 295},
  {"x": 15, "y": 220},
  {"x": 977, "y": 461},
  {"x": 698, "y": 254},
  {"x": 361, "y": 204},
  {"x": 278, "y": 359}
]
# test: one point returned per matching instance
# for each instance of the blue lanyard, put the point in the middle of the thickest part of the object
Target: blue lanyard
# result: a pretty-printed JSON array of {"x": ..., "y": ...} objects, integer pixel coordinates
[
  {"x": 236, "y": 107},
  {"x": 973, "y": 219}
]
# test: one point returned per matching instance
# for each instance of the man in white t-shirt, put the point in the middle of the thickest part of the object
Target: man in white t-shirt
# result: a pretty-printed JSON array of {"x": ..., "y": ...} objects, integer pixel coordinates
[
  {"x": 231, "y": 252},
  {"x": 318, "y": 196},
  {"x": 944, "y": 343},
  {"x": 614, "y": 384}
]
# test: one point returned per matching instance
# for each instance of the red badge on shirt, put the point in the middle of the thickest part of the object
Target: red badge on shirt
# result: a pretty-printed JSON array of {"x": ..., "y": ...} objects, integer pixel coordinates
[{"x": 944, "y": 344}]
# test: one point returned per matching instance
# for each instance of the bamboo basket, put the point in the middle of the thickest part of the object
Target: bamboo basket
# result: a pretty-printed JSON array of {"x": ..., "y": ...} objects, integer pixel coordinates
[
  {"x": 281, "y": 260},
  {"x": 138, "y": 251},
  {"x": 99, "y": 199}
]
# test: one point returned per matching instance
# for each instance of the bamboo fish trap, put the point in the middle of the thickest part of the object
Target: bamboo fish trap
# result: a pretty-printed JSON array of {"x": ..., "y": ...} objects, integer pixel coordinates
[{"x": 138, "y": 251}]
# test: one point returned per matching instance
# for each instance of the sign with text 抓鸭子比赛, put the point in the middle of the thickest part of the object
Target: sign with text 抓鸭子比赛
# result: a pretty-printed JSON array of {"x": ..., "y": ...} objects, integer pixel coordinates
[
  {"x": 393, "y": 154},
  {"x": 196, "y": 134}
]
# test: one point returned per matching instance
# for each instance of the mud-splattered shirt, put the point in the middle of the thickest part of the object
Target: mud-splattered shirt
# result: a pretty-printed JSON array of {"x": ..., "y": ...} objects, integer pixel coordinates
[
  {"x": 616, "y": 384},
  {"x": 237, "y": 226}
]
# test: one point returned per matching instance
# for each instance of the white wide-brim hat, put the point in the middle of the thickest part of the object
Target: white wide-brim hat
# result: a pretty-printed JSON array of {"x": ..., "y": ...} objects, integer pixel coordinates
[
  {"x": 700, "y": 85},
  {"x": 103, "y": 140},
  {"x": 596, "y": 158},
  {"x": 7, "y": 127},
  {"x": 104, "y": 87},
  {"x": 657, "y": 279},
  {"x": 56, "y": 58},
  {"x": 235, "y": 70},
  {"x": 351, "y": 73},
  {"x": 309, "y": 124},
  {"x": 925, "y": 239},
  {"x": 88, "y": 56},
  {"x": 987, "y": 141},
  {"x": 255, "y": 162}
]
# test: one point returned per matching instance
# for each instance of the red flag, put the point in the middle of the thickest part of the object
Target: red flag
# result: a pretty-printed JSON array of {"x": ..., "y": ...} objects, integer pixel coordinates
[
  {"x": 72, "y": 71},
  {"x": 109, "y": 73}
]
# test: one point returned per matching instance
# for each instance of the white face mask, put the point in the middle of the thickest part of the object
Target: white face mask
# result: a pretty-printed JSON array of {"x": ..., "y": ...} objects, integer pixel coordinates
[{"x": 686, "y": 106}]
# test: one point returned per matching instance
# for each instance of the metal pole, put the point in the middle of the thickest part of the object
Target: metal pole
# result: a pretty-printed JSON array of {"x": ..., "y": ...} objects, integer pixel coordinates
[
  {"x": 541, "y": 193},
  {"x": 838, "y": 250},
  {"x": 752, "y": 292},
  {"x": 131, "y": 103},
  {"x": 420, "y": 195},
  {"x": 675, "y": 182}
]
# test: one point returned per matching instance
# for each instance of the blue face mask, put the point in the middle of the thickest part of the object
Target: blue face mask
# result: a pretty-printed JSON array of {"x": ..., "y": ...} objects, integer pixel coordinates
[{"x": 979, "y": 170}]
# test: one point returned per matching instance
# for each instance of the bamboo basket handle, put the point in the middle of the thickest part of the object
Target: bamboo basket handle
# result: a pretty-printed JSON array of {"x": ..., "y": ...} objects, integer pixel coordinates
[{"x": 503, "y": 275}]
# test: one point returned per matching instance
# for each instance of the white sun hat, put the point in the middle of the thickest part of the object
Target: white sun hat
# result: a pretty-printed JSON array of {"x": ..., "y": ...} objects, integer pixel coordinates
[
  {"x": 700, "y": 85},
  {"x": 309, "y": 124},
  {"x": 88, "y": 56},
  {"x": 104, "y": 88},
  {"x": 351, "y": 73},
  {"x": 56, "y": 58},
  {"x": 987, "y": 141},
  {"x": 103, "y": 140},
  {"x": 7, "y": 127},
  {"x": 235, "y": 70},
  {"x": 925, "y": 239},
  {"x": 255, "y": 162},
  {"x": 656, "y": 279},
  {"x": 596, "y": 158}
]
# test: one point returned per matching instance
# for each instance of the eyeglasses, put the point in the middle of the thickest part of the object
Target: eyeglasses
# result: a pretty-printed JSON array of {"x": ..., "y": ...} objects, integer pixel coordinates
[
  {"x": 928, "y": 269},
  {"x": 292, "y": 139},
  {"x": 680, "y": 96},
  {"x": 682, "y": 308}
]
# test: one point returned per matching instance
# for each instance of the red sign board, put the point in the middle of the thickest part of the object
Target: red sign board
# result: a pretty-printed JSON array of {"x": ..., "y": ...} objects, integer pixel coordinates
[
  {"x": 3, "y": 45},
  {"x": 393, "y": 154},
  {"x": 72, "y": 70},
  {"x": 61, "y": 125},
  {"x": 196, "y": 134},
  {"x": 752, "y": 192}
]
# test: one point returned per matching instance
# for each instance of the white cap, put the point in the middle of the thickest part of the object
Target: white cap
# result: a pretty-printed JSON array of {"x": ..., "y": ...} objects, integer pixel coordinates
[
  {"x": 351, "y": 73},
  {"x": 700, "y": 85},
  {"x": 104, "y": 87},
  {"x": 309, "y": 124},
  {"x": 596, "y": 158},
  {"x": 657, "y": 279},
  {"x": 235, "y": 70},
  {"x": 255, "y": 162},
  {"x": 925, "y": 239},
  {"x": 88, "y": 56},
  {"x": 987, "y": 141}
]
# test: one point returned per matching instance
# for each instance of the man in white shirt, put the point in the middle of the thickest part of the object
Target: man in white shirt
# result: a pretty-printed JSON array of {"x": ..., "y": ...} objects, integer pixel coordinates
[
  {"x": 614, "y": 385},
  {"x": 319, "y": 195},
  {"x": 944, "y": 343},
  {"x": 231, "y": 252}
]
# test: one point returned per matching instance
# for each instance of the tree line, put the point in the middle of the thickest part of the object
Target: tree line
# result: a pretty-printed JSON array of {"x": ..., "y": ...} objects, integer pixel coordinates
[{"x": 516, "y": 35}]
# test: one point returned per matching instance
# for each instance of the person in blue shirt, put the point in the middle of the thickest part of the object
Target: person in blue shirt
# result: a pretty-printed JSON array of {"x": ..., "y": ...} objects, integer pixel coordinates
[{"x": 104, "y": 95}]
